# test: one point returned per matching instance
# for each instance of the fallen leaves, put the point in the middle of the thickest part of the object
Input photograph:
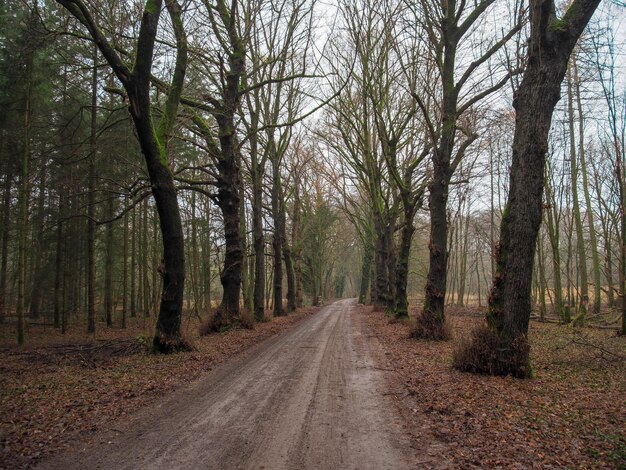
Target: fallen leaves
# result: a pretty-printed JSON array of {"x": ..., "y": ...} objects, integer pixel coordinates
[
  {"x": 62, "y": 388},
  {"x": 571, "y": 415}
]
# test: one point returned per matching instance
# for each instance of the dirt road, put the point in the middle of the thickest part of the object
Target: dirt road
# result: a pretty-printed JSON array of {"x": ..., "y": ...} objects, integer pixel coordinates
[{"x": 309, "y": 399}]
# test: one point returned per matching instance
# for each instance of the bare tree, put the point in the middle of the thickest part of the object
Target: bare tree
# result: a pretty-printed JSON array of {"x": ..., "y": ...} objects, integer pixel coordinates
[
  {"x": 153, "y": 134},
  {"x": 503, "y": 347}
]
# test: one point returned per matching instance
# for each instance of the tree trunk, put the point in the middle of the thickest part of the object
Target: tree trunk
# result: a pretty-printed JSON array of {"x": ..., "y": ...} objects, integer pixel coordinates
[
  {"x": 246, "y": 283},
  {"x": 209, "y": 279},
  {"x": 463, "y": 254},
  {"x": 432, "y": 320},
  {"x": 620, "y": 173},
  {"x": 37, "y": 274},
  {"x": 228, "y": 202},
  {"x": 59, "y": 259},
  {"x": 279, "y": 231},
  {"x": 291, "y": 277},
  {"x": 583, "y": 289},
  {"x": 542, "y": 280},
  {"x": 108, "y": 265},
  {"x": 552, "y": 226},
  {"x": 287, "y": 253},
  {"x": 125, "y": 268},
  {"x": 193, "y": 269},
  {"x": 167, "y": 335},
  {"x": 609, "y": 268},
  {"x": 402, "y": 268},
  {"x": 296, "y": 236},
  {"x": 259, "y": 243},
  {"x": 381, "y": 294},
  {"x": 391, "y": 266},
  {"x": 145, "y": 284},
  {"x": 23, "y": 202},
  {"x": 509, "y": 307},
  {"x": 91, "y": 203},
  {"x": 366, "y": 266},
  {"x": 431, "y": 323},
  {"x": 550, "y": 45},
  {"x": 133, "y": 265},
  {"x": 4, "y": 261},
  {"x": 593, "y": 240},
  {"x": 153, "y": 142}
]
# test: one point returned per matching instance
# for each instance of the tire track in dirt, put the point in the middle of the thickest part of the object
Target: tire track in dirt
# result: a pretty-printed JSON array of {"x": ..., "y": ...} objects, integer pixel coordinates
[{"x": 311, "y": 398}]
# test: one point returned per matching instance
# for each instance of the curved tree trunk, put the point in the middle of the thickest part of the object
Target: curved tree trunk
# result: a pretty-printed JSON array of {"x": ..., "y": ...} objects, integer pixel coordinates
[
  {"x": 551, "y": 43},
  {"x": 153, "y": 137}
]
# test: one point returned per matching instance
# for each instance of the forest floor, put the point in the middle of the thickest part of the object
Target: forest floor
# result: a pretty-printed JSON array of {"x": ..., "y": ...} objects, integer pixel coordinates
[
  {"x": 62, "y": 387},
  {"x": 571, "y": 415},
  {"x": 62, "y": 391}
]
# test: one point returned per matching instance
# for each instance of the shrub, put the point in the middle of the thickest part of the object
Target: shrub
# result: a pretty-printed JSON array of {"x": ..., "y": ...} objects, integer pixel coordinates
[
  {"x": 485, "y": 353},
  {"x": 246, "y": 320},
  {"x": 162, "y": 345},
  {"x": 213, "y": 324},
  {"x": 217, "y": 322},
  {"x": 430, "y": 328}
]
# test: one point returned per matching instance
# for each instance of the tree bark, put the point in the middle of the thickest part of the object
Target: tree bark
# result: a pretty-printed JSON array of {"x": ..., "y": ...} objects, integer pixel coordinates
[
  {"x": 391, "y": 265},
  {"x": 550, "y": 45},
  {"x": 381, "y": 294},
  {"x": 259, "y": 241},
  {"x": 296, "y": 236},
  {"x": 91, "y": 199},
  {"x": 133, "y": 265},
  {"x": 552, "y": 225},
  {"x": 4, "y": 261},
  {"x": 228, "y": 202},
  {"x": 125, "y": 268},
  {"x": 402, "y": 268},
  {"x": 279, "y": 230},
  {"x": 59, "y": 259},
  {"x": 366, "y": 265},
  {"x": 37, "y": 274},
  {"x": 108, "y": 266},
  {"x": 23, "y": 200},
  {"x": 246, "y": 283},
  {"x": 153, "y": 138},
  {"x": 593, "y": 239},
  {"x": 432, "y": 318},
  {"x": 291, "y": 277},
  {"x": 583, "y": 289}
]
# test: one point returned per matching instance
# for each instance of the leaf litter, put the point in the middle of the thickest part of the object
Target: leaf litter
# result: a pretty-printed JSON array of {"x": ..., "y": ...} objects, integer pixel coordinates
[
  {"x": 571, "y": 415},
  {"x": 61, "y": 389}
]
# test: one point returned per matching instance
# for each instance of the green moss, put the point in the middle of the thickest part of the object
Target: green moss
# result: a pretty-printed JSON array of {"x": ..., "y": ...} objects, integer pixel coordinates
[
  {"x": 158, "y": 139},
  {"x": 560, "y": 25},
  {"x": 151, "y": 7}
]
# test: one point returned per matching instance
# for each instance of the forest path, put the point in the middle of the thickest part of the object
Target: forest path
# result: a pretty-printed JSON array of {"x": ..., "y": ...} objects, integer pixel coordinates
[{"x": 309, "y": 399}]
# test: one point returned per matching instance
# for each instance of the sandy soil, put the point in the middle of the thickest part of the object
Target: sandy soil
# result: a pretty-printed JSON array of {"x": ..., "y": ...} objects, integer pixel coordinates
[{"x": 312, "y": 398}]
